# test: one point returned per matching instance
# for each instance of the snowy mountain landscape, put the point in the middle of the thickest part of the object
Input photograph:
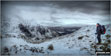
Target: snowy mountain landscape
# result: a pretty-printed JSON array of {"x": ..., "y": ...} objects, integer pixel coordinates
[
  {"x": 53, "y": 27},
  {"x": 81, "y": 41}
]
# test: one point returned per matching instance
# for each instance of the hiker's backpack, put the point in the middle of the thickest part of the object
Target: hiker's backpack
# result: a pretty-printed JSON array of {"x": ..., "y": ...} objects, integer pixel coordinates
[{"x": 103, "y": 29}]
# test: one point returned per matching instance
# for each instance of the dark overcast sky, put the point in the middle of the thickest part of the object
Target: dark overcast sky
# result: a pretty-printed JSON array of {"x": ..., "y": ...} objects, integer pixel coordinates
[{"x": 60, "y": 12}]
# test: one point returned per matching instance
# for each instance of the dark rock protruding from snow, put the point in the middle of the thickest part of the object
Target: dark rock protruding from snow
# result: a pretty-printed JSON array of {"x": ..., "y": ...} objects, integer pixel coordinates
[
  {"x": 37, "y": 34},
  {"x": 25, "y": 30}
]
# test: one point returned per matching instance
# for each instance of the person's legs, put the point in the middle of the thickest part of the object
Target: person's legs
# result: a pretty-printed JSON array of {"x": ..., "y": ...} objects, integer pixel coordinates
[{"x": 99, "y": 38}]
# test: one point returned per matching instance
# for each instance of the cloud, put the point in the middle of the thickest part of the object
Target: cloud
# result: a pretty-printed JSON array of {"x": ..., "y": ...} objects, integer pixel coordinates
[
  {"x": 86, "y": 7},
  {"x": 57, "y": 13}
]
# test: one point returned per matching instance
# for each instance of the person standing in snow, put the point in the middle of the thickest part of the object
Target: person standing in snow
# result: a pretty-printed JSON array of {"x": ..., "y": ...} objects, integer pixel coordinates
[{"x": 98, "y": 32}]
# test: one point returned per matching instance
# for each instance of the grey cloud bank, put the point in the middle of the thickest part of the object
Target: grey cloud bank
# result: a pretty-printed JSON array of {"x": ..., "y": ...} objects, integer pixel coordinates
[{"x": 57, "y": 13}]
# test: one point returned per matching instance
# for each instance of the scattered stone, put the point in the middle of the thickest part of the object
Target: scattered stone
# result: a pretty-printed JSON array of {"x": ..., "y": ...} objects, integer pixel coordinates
[
  {"x": 50, "y": 47},
  {"x": 86, "y": 35},
  {"x": 108, "y": 36},
  {"x": 81, "y": 37},
  {"x": 90, "y": 41},
  {"x": 5, "y": 50},
  {"x": 88, "y": 30}
]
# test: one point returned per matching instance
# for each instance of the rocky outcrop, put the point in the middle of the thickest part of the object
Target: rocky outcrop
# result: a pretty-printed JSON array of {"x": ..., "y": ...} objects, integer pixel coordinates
[{"x": 36, "y": 34}]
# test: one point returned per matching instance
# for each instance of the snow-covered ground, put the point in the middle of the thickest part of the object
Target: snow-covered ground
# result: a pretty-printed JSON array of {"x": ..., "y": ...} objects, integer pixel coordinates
[
  {"x": 80, "y": 42},
  {"x": 53, "y": 14}
]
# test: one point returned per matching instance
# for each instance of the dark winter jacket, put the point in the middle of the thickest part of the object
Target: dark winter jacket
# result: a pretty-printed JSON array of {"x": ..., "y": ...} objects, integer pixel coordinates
[{"x": 98, "y": 29}]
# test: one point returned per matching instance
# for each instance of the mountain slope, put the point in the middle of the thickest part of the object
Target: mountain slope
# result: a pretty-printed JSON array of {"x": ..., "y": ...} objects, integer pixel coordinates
[{"x": 79, "y": 42}]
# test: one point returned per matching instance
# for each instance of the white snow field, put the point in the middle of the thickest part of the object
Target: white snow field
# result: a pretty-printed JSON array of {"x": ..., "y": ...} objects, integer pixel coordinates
[{"x": 80, "y": 42}]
